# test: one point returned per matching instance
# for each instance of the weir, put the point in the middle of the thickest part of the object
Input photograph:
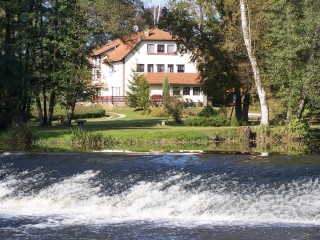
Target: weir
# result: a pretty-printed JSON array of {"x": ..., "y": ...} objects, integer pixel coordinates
[{"x": 204, "y": 191}]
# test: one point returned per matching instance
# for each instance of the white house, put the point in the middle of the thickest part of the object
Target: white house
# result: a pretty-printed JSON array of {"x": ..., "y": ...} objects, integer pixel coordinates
[{"x": 153, "y": 53}]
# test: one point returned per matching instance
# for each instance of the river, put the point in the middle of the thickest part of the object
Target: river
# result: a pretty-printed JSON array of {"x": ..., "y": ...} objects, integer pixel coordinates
[{"x": 158, "y": 196}]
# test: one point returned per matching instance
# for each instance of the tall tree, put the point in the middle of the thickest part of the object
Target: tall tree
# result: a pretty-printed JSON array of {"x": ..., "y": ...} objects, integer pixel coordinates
[
  {"x": 201, "y": 19},
  {"x": 165, "y": 91},
  {"x": 253, "y": 60},
  {"x": 293, "y": 58}
]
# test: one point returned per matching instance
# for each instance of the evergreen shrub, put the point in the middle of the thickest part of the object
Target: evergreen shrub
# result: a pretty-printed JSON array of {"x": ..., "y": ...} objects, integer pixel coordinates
[
  {"x": 207, "y": 111},
  {"x": 215, "y": 121}
]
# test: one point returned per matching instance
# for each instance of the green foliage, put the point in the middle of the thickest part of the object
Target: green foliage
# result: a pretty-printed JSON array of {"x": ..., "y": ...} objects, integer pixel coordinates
[
  {"x": 292, "y": 57},
  {"x": 207, "y": 111},
  {"x": 215, "y": 121},
  {"x": 297, "y": 130},
  {"x": 89, "y": 111},
  {"x": 196, "y": 26},
  {"x": 21, "y": 137},
  {"x": 160, "y": 111},
  {"x": 138, "y": 95},
  {"x": 234, "y": 122},
  {"x": 80, "y": 112},
  {"x": 166, "y": 91},
  {"x": 84, "y": 139},
  {"x": 132, "y": 100},
  {"x": 143, "y": 93},
  {"x": 175, "y": 109}
]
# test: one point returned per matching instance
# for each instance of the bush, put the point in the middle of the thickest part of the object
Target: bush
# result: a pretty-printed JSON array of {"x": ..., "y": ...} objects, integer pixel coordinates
[
  {"x": 207, "y": 111},
  {"x": 94, "y": 111},
  {"x": 84, "y": 139},
  {"x": 81, "y": 111},
  {"x": 297, "y": 129},
  {"x": 175, "y": 108},
  {"x": 159, "y": 112},
  {"x": 21, "y": 137},
  {"x": 215, "y": 121}
]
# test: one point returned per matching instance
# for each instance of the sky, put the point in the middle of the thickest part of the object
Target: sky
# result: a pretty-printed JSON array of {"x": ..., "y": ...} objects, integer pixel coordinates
[{"x": 155, "y": 2}]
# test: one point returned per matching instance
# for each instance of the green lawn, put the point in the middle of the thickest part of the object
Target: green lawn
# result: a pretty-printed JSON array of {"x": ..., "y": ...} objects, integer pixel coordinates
[{"x": 136, "y": 131}]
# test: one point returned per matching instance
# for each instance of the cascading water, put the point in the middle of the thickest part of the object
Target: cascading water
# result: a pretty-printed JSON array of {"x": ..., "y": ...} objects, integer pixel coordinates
[{"x": 121, "y": 193}]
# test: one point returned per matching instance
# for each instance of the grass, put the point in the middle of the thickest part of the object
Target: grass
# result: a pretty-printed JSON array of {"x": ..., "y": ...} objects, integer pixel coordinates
[
  {"x": 141, "y": 132},
  {"x": 136, "y": 131}
]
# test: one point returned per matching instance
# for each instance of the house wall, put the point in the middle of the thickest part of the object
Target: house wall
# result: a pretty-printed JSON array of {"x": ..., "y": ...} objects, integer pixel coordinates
[
  {"x": 112, "y": 75},
  {"x": 117, "y": 76}
]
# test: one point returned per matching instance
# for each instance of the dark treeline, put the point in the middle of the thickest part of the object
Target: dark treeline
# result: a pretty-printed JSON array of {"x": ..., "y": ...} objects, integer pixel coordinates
[
  {"x": 266, "y": 48},
  {"x": 44, "y": 49}
]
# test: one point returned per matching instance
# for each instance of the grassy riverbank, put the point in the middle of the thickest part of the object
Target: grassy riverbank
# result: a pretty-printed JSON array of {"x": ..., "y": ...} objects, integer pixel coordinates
[{"x": 129, "y": 130}]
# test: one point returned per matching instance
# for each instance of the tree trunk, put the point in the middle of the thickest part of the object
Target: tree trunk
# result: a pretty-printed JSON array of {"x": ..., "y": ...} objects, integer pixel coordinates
[
  {"x": 245, "y": 109},
  {"x": 70, "y": 111},
  {"x": 45, "y": 112},
  {"x": 304, "y": 92},
  {"x": 238, "y": 105},
  {"x": 51, "y": 107},
  {"x": 254, "y": 65}
]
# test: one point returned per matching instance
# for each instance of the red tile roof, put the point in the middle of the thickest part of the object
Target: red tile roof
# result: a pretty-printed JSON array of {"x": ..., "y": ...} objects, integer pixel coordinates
[
  {"x": 173, "y": 78},
  {"x": 123, "y": 47},
  {"x": 107, "y": 47}
]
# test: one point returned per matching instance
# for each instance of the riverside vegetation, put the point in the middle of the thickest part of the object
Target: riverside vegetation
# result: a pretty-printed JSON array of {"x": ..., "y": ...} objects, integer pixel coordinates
[{"x": 204, "y": 129}]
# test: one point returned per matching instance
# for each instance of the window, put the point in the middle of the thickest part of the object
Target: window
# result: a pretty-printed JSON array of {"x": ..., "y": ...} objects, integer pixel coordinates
[
  {"x": 180, "y": 68},
  {"x": 151, "y": 48},
  {"x": 170, "y": 67},
  {"x": 176, "y": 91},
  {"x": 171, "y": 49},
  {"x": 160, "y": 48},
  {"x": 160, "y": 67},
  {"x": 196, "y": 90},
  {"x": 186, "y": 90},
  {"x": 150, "y": 67},
  {"x": 140, "y": 67}
]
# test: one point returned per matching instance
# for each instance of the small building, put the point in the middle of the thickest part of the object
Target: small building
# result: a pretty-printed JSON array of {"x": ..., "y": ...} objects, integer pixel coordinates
[{"x": 152, "y": 53}]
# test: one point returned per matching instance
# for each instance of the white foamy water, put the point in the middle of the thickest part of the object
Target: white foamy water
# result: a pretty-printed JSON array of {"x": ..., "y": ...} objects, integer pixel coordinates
[{"x": 80, "y": 199}]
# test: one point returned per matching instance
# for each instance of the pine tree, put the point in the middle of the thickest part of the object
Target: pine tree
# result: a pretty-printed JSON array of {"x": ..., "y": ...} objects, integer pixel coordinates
[
  {"x": 132, "y": 99},
  {"x": 166, "y": 91},
  {"x": 143, "y": 93}
]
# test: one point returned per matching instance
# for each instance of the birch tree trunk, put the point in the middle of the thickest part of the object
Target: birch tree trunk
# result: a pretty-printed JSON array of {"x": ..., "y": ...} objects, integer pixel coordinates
[{"x": 254, "y": 65}]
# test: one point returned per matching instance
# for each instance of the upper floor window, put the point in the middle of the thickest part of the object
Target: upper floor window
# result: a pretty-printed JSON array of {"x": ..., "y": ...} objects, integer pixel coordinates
[
  {"x": 170, "y": 67},
  {"x": 171, "y": 49},
  {"x": 151, "y": 48},
  {"x": 140, "y": 67},
  {"x": 150, "y": 68},
  {"x": 180, "y": 68},
  {"x": 196, "y": 90},
  {"x": 160, "y": 67},
  {"x": 160, "y": 48},
  {"x": 186, "y": 90}
]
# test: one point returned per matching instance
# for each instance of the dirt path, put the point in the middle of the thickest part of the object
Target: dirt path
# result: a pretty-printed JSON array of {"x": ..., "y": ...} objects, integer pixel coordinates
[{"x": 119, "y": 116}]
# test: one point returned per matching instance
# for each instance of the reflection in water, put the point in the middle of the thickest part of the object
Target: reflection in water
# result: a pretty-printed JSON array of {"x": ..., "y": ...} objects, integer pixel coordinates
[{"x": 172, "y": 196}]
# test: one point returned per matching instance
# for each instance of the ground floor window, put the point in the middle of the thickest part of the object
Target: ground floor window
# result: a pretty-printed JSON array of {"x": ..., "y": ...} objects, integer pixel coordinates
[
  {"x": 186, "y": 90},
  {"x": 196, "y": 90}
]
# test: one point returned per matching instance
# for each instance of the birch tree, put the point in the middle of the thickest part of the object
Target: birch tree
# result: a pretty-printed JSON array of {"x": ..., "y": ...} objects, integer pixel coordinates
[{"x": 253, "y": 60}]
